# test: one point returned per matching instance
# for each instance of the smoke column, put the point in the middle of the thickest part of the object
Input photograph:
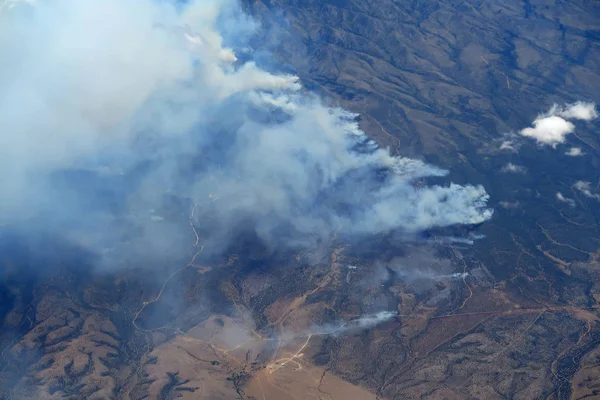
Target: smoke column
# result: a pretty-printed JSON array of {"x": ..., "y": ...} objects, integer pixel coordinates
[{"x": 118, "y": 117}]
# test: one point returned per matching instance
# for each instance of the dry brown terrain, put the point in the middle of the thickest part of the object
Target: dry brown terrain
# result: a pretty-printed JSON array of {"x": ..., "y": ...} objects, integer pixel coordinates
[{"x": 442, "y": 80}]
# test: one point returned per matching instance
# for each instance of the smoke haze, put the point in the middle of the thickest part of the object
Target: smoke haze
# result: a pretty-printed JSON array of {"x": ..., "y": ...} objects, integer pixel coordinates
[
  {"x": 360, "y": 323},
  {"x": 119, "y": 117}
]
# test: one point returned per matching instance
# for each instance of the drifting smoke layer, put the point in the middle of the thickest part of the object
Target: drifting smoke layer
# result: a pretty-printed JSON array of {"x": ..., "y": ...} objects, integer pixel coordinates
[
  {"x": 364, "y": 322},
  {"x": 429, "y": 275},
  {"x": 111, "y": 111},
  {"x": 552, "y": 127}
]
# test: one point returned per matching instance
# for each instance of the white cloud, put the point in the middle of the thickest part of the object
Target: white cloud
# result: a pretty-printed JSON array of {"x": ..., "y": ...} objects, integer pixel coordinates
[
  {"x": 507, "y": 142},
  {"x": 579, "y": 110},
  {"x": 574, "y": 152},
  {"x": 159, "y": 90},
  {"x": 509, "y": 205},
  {"x": 549, "y": 130},
  {"x": 586, "y": 188},
  {"x": 562, "y": 198},
  {"x": 513, "y": 168},
  {"x": 509, "y": 145},
  {"x": 552, "y": 127}
]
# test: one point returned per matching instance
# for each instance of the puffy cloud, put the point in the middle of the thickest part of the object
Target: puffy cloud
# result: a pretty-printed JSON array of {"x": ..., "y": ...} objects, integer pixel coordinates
[
  {"x": 552, "y": 127},
  {"x": 509, "y": 205},
  {"x": 106, "y": 127},
  {"x": 549, "y": 130},
  {"x": 579, "y": 110},
  {"x": 574, "y": 152},
  {"x": 586, "y": 188},
  {"x": 509, "y": 145},
  {"x": 562, "y": 198},
  {"x": 513, "y": 168}
]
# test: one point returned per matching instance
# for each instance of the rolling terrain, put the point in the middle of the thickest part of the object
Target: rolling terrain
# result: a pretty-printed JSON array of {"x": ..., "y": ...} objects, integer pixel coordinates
[{"x": 505, "y": 310}]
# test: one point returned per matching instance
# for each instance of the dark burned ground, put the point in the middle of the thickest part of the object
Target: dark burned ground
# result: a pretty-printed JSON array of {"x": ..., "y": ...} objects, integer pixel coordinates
[{"x": 439, "y": 79}]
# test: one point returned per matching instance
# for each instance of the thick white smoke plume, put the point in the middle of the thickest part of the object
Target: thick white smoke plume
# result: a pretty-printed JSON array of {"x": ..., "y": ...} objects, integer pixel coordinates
[
  {"x": 552, "y": 127},
  {"x": 112, "y": 110}
]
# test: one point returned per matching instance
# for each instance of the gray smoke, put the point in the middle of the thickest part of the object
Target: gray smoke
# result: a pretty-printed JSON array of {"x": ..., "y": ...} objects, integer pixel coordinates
[
  {"x": 119, "y": 117},
  {"x": 364, "y": 322}
]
